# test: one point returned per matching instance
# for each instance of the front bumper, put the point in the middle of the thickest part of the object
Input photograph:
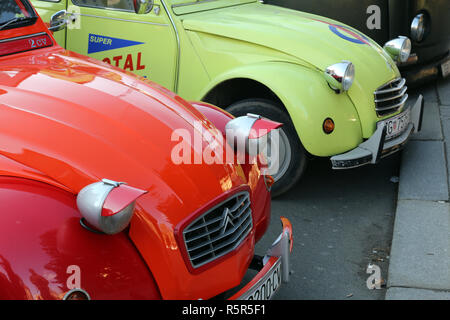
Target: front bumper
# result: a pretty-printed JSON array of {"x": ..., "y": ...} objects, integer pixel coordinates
[
  {"x": 278, "y": 254},
  {"x": 376, "y": 147}
]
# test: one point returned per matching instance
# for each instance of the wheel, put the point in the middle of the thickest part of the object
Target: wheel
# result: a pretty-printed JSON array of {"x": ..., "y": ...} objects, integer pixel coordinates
[{"x": 292, "y": 154}]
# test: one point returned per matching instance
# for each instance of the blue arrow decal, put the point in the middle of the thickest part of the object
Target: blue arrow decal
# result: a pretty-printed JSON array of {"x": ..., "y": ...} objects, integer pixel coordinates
[{"x": 98, "y": 43}]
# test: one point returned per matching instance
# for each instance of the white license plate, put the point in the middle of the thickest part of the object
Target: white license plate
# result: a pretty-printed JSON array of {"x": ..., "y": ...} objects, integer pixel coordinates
[
  {"x": 396, "y": 125},
  {"x": 445, "y": 68},
  {"x": 267, "y": 286}
]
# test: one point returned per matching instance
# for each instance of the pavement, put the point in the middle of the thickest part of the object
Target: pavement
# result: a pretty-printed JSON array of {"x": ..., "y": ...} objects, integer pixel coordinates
[
  {"x": 419, "y": 267},
  {"x": 342, "y": 222}
]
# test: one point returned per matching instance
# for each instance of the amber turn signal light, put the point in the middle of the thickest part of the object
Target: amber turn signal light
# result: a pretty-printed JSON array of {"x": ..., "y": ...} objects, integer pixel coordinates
[
  {"x": 328, "y": 126},
  {"x": 269, "y": 181}
]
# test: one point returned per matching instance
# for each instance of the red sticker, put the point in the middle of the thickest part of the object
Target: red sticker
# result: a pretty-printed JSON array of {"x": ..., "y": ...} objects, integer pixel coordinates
[{"x": 25, "y": 44}]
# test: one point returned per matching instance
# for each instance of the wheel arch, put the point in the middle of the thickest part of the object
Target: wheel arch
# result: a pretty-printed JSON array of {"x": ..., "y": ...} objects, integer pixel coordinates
[
  {"x": 305, "y": 96},
  {"x": 233, "y": 90}
]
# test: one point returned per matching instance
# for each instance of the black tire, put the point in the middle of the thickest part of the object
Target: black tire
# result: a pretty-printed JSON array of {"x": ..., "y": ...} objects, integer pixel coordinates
[{"x": 276, "y": 112}]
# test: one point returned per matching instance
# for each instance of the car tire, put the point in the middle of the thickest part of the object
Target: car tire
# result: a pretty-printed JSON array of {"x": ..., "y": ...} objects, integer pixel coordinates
[{"x": 294, "y": 154}]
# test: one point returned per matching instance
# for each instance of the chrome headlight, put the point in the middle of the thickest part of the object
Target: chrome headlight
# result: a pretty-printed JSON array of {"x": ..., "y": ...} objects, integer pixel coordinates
[
  {"x": 399, "y": 49},
  {"x": 251, "y": 131},
  {"x": 418, "y": 27},
  {"x": 340, "y": 76},
  {"x": 108, "y": 206}
]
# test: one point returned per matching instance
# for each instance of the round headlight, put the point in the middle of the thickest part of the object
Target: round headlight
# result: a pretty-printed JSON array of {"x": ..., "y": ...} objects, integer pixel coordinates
[
  {"x": 405, "y": 51},
  {"x": 399, "y": 49},
  {"x": 108, "y": 205},
  {"x": 349, "y": 76},
  {"x": 418, "y": 27},
  {"x": 77, "y": 294},
  {"x": 340, "y": 76}
]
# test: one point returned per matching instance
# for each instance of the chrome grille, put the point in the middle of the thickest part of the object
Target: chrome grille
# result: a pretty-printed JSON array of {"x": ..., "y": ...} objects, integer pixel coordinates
[
  {"x": 391, "y": 97},
  {"x": 219, "y": 231}
]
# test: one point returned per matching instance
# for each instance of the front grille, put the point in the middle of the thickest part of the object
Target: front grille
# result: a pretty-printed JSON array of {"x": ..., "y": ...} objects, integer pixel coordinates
[
  {"x": 219, "y": 231},
  {"x": 391, "y": 97}
]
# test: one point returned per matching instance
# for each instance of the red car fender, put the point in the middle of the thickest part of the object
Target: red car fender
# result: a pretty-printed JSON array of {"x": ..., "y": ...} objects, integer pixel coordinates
[
  {"x": 45, "y": 252},
  {"x": 217, "y": 116}
]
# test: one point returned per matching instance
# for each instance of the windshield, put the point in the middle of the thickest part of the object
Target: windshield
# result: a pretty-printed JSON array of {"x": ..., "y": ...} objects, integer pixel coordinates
[
  {"x": 187, "y": 6},
  {"x": 15, "y": 13}
]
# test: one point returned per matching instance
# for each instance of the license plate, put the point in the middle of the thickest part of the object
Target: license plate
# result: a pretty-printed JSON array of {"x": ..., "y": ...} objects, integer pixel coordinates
[
  {"x": 267, "y": 286},
  {"x": 445, "y": 68},
  {"x": 396, "y": 125}
]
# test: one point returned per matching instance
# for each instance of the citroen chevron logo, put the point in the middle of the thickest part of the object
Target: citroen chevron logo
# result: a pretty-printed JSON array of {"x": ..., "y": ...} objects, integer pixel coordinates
[{"x": 227, "y": 220}]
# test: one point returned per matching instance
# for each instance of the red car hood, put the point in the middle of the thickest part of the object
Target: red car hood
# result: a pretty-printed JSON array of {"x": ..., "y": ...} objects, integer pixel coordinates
[{"x": 78, "y": 121}]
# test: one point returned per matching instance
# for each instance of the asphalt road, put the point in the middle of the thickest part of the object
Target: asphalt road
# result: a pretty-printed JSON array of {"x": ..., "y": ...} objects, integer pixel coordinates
[{"x": 342, "y": 221}]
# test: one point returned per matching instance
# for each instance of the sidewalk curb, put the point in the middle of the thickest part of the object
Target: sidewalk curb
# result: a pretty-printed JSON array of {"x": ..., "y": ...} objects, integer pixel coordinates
[
  {"x": 420, "y": 253},
  {"x": 416, "y": 294}
]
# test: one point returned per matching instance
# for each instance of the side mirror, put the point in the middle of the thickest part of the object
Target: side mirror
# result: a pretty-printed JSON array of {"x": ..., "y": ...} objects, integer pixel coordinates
[
  {"x": 142, "y": 6},
  {"x": 58, "y": 21}
]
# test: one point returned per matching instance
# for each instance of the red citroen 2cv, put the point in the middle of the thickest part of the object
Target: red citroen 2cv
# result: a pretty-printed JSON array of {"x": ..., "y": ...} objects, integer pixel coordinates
[{"x": 92, "y": 204}]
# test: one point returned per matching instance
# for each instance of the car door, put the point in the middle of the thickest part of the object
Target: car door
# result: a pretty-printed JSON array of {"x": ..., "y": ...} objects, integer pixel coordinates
[
  {"x": 110, "y": 30},
  {"x": 46, "y": 8}
]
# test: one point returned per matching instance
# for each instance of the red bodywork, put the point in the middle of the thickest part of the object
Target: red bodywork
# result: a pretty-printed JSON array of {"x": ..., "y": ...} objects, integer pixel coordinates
[{"x": 68, "y": 121}]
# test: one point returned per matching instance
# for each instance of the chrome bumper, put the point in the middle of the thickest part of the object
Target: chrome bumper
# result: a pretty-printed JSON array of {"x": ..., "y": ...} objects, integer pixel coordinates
[
  {"x": 279, "y": 252},
  {"x": 376, "y": 147}
]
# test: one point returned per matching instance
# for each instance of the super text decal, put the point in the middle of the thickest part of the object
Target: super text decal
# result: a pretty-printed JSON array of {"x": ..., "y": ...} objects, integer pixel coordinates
[
  {"x": 98, "y": 43},
  {"x": 127, "y": 61}
]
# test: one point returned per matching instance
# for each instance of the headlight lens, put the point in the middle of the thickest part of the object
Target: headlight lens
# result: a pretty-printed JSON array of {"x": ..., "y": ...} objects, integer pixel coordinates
[
  {"x": 399, "y": 49},
  {"x": 405, "y": 51},
  {"x": 340, "y": 76},
  {"x": 418, "y": 27},
  {"x": 77, "y": 294},
  {"x": 349, "y": 76}
]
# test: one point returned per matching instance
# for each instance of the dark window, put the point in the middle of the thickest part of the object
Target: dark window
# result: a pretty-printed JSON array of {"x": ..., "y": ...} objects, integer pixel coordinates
[
  {"x": 15, "y": 13},
  {"x": 109, "y": 4}
]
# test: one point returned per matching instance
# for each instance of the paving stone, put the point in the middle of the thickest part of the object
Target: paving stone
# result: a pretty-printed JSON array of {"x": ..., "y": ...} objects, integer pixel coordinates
[
  {"x": 416, "y": 294},
  {"x": 423, "y": 173},
  {"x": 420, "y": 253},
  {"x": 428, "y": 91},
  {"x": 443, "y": 88},
  {"x": 445, "y": 114},
  {"x": 445, "y": 117}
]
